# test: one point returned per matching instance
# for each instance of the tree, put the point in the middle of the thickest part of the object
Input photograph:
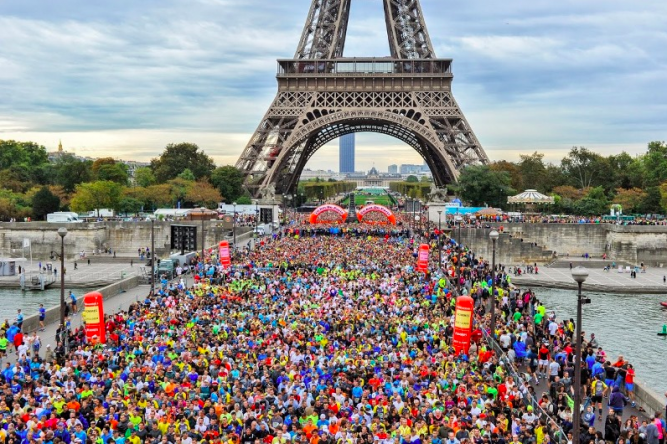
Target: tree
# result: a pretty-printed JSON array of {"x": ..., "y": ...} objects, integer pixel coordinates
[
  {"x": 513, "y": 170},
  {"x": 115, "y": 173},
  {"x": 144, "y": 177},
  {"x": 480, "y": 185},
  {"x": 412, "y": 178},
  {"x": 70, "y": 171},
  {"x": 532, "y": 170},
  {"x": 186, "y": 174},
  {"x": 585, "y": 168},
  {"x": 98, "y": 163},
  {"x": 630, "y": 200},
  {"x": 203, "y": 194},
  {"x": 655, "y": 164},
  {"x": 229, "y": 181},
  {"x": 129, "y": 205},
  {"x": 244, "y": 200},
  {"x": 43, "y": 203},
  {"x": 178, "y": 157},
  {"x": 24, "y": 160},
  {"x": 96, "y": 195},
  {"x": 594, "y": 204}
]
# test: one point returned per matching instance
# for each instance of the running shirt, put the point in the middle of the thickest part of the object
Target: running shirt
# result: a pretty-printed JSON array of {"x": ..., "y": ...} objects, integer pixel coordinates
[
  {"x": 543, "y": 353},
  {"x": 630, "y": 376},
  {"x": 598, "y": 387}
]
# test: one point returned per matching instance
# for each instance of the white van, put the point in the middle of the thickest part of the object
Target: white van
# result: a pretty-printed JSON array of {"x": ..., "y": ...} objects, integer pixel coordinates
[{"x": 67, "y": 217}]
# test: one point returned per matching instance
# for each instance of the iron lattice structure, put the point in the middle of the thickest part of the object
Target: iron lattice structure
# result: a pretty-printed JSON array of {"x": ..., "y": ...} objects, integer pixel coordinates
[{"x": 322, "y": 96}]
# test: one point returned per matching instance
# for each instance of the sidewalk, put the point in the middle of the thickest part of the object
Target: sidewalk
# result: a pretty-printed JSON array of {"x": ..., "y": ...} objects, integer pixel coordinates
[{"x": 112, "y": 305}]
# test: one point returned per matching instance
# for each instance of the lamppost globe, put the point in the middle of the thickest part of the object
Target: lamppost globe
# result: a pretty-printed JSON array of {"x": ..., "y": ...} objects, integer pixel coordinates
[
  {"x": 579, "y": 274},
  {"x": 62, "y": 231},
  {"x": 494, "y": 235}
]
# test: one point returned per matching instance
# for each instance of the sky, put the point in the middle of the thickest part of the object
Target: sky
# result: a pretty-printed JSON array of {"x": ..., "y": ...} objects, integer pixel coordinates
[{"x": 125, "y": 78}]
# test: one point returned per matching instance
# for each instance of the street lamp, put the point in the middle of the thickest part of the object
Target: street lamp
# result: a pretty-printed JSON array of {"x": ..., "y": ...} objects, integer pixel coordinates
[
  {"x": 494, "y": 235},
  {"x": 234, "y": 225},
  {"x": 62, "y": 232},
  {"x": 579, "y": 274},
  {"x": 439, "y": 240}
]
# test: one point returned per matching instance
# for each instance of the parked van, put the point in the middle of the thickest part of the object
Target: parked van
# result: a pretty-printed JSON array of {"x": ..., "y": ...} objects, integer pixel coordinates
[
  {"x": 166, "y": 267},
  {"x": 183, "y": 259},
  {"x": 67, "y": 217}
]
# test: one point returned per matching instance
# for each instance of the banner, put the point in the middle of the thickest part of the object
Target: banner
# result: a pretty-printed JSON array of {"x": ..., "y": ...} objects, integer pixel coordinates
[
  {"x": 422, "y": 258},
  {"x": 93, "y": 317},
  {"x": 223, "y": 252},
  {"x": 463, "y": 324}
]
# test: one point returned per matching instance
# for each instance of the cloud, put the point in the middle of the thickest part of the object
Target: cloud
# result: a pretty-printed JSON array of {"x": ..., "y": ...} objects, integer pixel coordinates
[{"x": 126, "y": 76}]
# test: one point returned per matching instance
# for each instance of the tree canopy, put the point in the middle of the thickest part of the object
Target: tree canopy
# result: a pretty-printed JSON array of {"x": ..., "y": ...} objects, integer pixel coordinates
[{"x": 179, "y": 157}]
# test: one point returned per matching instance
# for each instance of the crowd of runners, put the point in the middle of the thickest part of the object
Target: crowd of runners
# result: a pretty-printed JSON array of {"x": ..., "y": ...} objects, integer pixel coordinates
[{"x": 321, "y": 336}]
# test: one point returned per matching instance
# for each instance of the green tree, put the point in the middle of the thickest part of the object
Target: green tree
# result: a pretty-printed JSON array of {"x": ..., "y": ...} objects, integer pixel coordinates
[
  {"x": 25, "y": 161},
  {"x": 70, "y": 171},
  {"x": 129, "y": 205},
  {"x": 594, "y": 204},
  {"x": 532, "y": 170},
  {"x": 655, "y": 164},
  {"x": 43, "y": 203},
  {"x": 115, "y": 173},
  {"x": 480, "y": 185},
  {"x": 585, "y": 169},
  {"x": 229, "y": 181},
  {"x": 412, "y": 178},
  {"x": 178, "y": 157},
  {"x": 186, "y": 174},
  {"x": 144, "y": 177},
  {"x": 244, "y": 200},
  {"x": 96, "y": 195}
]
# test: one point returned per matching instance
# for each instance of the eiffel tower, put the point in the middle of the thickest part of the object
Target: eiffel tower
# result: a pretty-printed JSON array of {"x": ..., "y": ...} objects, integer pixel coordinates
[{"x": 323, "y": 95}]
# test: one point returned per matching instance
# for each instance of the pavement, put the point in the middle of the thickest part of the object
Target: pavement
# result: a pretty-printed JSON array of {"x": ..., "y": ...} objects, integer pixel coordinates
[
  {"x": 93, "y": 275},
  {"x": 611, "y": 281}
]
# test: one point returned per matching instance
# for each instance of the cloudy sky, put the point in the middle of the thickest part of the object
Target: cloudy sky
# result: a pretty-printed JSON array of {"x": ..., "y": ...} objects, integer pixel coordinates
[{"x": 126, "y": 77}]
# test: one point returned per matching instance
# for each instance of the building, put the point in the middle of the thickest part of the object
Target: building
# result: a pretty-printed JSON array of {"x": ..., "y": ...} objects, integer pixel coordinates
[
  {"x": 408, "y": 168},
  {"x": 373, "y": 179},
  {"x": 346, "y": 154},
  {"x": 393, "y": 169},
  {"x": 308, "y": 174}
]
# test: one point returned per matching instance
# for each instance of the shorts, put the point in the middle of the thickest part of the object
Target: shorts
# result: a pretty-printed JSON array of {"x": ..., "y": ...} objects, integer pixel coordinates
[
  {"x": 543, "y": 362},
  {"x": 596, "y": 398},
  {"x": 629, "y": 386},
  {"x": 41, "y": 318},
  {"x": 552, "y": 378},
  {"x": 609, "y": 382}
]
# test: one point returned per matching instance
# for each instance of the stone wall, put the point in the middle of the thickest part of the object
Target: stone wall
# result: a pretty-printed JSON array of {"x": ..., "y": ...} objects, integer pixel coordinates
[
  {"x": 649, "y": 400},
  {"x": 125, "y": 238}
]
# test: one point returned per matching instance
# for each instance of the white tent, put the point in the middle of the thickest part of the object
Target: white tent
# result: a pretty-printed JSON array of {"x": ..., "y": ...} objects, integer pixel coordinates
[{"x": 530, "y": 197}]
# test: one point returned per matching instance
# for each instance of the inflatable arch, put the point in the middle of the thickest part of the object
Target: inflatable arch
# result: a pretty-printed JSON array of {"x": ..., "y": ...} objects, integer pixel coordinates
[
  {"x": 374, "y": 208},
  {"x": 315, "y": 215}
]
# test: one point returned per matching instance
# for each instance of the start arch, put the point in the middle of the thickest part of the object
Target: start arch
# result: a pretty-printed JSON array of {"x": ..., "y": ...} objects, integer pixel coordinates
[{"x": 374, "y": 208}]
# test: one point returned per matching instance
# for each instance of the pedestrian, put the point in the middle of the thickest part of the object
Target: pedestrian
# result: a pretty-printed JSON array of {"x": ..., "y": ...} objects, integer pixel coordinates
[
  {"x": 19, "y": 319},
  {"x": 76, "y": 266},
  {"x": 42, "y": 316},
  {"x": 73, "y": 303}
]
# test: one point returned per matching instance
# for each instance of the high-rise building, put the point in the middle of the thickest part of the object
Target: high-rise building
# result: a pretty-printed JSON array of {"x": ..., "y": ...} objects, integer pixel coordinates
[
  {"x": 393, "y": 169},
  {"x": 346, "y": 154}
]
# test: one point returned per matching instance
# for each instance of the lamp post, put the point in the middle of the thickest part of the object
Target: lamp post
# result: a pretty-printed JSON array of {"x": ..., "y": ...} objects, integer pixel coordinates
[
  {"x": 202, "y": 210},
  {"x": 439, "y": 240},
  {"x": 234, "y": 225},
  {"x": 256, "y": 220},
  {"x": 494, "y": 235},
  {"x": 579, "y": 274},
  {"x": 152, "y": 257},
  {"x": 62, "y": 232}
]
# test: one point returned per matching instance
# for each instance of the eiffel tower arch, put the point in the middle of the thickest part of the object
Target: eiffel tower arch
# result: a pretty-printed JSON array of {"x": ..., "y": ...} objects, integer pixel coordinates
[{"x": 323, "y": 95}]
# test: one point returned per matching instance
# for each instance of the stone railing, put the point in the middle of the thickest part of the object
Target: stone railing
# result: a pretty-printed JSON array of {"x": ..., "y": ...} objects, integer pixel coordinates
[{"x": 31, "y": 323}]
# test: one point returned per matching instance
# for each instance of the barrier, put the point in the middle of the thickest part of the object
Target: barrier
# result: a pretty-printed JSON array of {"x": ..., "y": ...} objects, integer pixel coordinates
[
  {"x": 649, "y": 400},
  {"x": 31, "y": 323}
]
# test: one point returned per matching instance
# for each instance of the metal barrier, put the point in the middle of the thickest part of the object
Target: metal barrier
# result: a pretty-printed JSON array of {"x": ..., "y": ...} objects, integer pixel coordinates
[{"x": 555, "y": 431}]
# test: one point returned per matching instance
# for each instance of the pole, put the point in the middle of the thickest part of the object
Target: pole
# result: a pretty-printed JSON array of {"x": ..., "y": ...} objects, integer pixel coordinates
[
  {"x": 153, "y": 258},
  {"x": 234, "y": 226},
  {"x": 202, "y": 236},
  {"x": 493, "y": 288},
  {"x": 62, "y": 282},
  {"x": 576, "y": 413},
  {"x": 439, "y": 240}
]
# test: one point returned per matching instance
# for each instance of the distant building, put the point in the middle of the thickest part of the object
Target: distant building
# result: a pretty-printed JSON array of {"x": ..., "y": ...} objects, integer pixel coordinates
[
  {"x": 373, "y": 179},
  {"x": 346, "y": 154},
  {"x": 393, "y": 169},
  {"x": 320, "y": 174},
  {"x": 407, "y": 168}
]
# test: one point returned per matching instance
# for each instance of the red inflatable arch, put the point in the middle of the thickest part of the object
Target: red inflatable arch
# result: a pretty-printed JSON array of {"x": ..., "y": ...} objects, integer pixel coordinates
[
  {"x": 374, "y": 208},
  {"x": 328, "y": 208}
]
